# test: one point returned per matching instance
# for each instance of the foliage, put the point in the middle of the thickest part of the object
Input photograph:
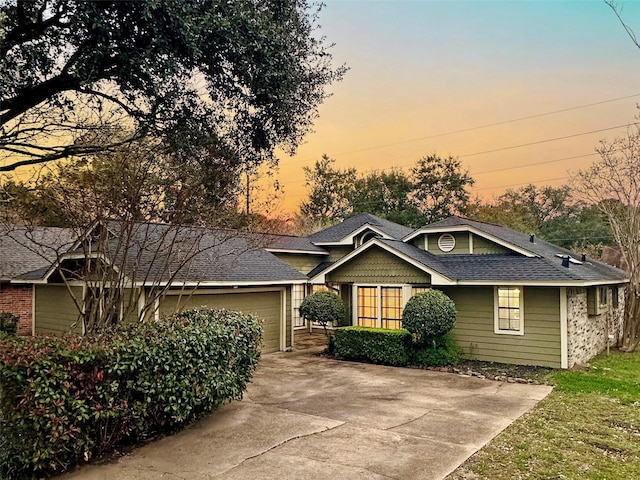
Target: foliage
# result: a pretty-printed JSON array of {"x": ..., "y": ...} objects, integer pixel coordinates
[
  {"x": 324, "y": 307},
  {"x": 8, "y": 323},
  {"x": 375, "y": 345},
  {"x": 65, "y": 400},
  {"x": 429, "y": 315},
  {"x": 444, "y": 352},
  {"x": 434, "y": 189},
  {"x": 440, "y": 187},
  {"x": 331, "y": 190},
  {"x": 612, "y": 183},
  {"x": 250, "y": 74}
]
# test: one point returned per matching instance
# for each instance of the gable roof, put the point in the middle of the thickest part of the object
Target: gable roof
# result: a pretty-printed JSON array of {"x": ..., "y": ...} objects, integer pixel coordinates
[
  {"x": 25, "y": 249},
  {"x": 353, "y": 224},
  {"x": 159, "y": 253},
  {"x": 529, "y": 263},
  {"x": 292, "y": 244}
]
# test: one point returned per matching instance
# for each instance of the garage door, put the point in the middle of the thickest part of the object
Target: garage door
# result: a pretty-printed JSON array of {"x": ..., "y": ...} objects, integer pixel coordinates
[{"x": 264, "y": 305}]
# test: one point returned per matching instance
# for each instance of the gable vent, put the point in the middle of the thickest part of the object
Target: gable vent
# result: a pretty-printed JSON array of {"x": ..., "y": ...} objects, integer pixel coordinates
[{"x": 446, "y": 242}]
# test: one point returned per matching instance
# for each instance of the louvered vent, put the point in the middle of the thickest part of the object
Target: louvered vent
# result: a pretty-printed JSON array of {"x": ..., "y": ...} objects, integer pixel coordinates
[{"x": 446, "y": 242}]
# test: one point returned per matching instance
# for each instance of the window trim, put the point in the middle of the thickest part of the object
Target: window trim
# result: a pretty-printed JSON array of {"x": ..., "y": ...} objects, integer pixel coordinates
[
  {"x": 405, "y": 295},
  {"x": 496, "y": 312}
]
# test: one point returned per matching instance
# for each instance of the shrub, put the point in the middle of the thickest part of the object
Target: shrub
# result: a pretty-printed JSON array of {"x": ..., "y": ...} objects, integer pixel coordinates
[
  {"x": 64, "y": 400},
  {"x": 429, "y": 315},
  {"x": 323, "y": 307},
  {"x": 445, "y": 352},
  {"x": 8, "y": 323},
  {"x": 375, "y": 345}
]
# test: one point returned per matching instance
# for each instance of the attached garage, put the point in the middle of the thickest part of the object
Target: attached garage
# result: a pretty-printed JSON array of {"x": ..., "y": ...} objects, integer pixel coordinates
[{"x": 264, "y": 304}]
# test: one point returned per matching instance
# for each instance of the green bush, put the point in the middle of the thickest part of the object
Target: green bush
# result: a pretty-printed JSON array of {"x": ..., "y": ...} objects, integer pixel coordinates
[
  {"x": 65, "y": 400},
  {"x": 375, "y": 345},
  {"x": 8, "y": 323},
  {"x": 323, "y": 307},
  {"x": 445, "y": 352},
  {"x": 429, "y": 315}
]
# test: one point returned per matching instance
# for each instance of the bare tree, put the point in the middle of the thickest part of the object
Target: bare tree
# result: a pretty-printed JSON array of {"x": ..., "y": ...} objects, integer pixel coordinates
[
  {"x": 613, "y": 184},
  {"x": 618, "y": 12}
]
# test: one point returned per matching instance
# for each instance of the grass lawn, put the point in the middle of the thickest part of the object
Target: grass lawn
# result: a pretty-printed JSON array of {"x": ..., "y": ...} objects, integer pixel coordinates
[{"x": 587, "y": 428}]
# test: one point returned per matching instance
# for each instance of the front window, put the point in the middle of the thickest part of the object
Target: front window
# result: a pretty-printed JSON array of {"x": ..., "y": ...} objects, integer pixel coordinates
[
  {"x": 508, "y": 311},
  {"x": 392, "y": 307},
  {"x": 297, "y": 295},
  {"x": 368, "y": 306}
]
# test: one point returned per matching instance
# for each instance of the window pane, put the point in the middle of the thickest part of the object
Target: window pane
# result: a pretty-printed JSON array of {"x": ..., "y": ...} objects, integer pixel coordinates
[
  {"x": 391, "y": 307},
  {"x": 509, "y": 308},
  {"x": 367, "y": 306}
]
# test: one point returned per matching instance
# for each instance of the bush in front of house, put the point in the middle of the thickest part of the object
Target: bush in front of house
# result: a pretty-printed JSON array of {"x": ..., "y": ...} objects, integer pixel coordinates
[
  {"x": 323, "y": 307},
  {"x": 8, "y": 323},
  {"x": 444, "y": 352},
  {"x": 65, "y": 400},
  {"x": 375, "y": 345},
  {"x": 428, "y": 316}
]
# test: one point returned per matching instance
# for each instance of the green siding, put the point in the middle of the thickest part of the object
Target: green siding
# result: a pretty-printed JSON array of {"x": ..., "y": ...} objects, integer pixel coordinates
[
  {"x": 336, "y": 253},
  {"x": 461, "y": 246},
  {"x": 264, "y": 305},
  {"x": 377, "y": 266},
  {"x": 482, "y": 246},
  {"x": 301, "y": 262},
  {"x": 56, "y": 312},
  {"x": 474, "y": 330},
  {"x": 418, "y": 242}
]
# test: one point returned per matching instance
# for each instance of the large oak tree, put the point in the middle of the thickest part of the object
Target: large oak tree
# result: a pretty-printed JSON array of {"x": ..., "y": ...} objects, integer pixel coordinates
[{"x": 250, "y": 73}]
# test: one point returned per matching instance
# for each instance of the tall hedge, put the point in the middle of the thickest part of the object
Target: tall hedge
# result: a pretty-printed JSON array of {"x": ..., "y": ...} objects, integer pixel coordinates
[{"x": 65, "y": 400}]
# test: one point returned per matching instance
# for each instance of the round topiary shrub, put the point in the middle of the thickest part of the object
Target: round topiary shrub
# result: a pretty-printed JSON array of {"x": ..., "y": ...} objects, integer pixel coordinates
[
  {"x": 429, "y": 315},
  {"x": 323, "y": 307}
]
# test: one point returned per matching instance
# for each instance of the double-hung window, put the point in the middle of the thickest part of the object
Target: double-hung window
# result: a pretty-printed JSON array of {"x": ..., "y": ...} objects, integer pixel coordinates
[{"x": 509, "y": 311}]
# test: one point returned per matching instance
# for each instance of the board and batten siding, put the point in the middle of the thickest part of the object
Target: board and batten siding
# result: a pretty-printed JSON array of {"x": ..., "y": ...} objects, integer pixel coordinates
[
  {"x": 56, "y": 311},
  {"x": 376, "y": 266},
  {"x": 301, "y": 262},
  {"x": 461, "y": 247},
  {"x": 264, "y": 305},
  {"x": 482, "y": 246},
  {"x": 474, "y": 330}
]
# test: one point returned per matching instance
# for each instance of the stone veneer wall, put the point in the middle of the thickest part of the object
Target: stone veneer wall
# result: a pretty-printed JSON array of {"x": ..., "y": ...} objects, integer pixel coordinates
[
  {"x": 587, "y": 334},
  {"x": 18, "y": 300}
]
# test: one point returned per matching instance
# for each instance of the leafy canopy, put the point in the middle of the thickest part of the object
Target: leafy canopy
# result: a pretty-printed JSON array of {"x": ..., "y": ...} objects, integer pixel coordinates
[
  {"x": 429, "y": 315},
  {"x": 251, "y": 73}
]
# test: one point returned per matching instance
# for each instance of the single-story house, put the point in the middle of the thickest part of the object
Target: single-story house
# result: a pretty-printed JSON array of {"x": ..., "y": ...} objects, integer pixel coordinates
[{"x": 519, "y": 299}]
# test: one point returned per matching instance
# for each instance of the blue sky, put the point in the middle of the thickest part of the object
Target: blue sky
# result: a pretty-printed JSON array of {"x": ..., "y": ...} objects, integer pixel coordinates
[{"x": 419, "y": 69}]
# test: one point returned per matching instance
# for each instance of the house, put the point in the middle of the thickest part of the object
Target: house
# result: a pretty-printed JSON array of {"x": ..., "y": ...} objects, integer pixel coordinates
[{"x": 519, "y": 299}]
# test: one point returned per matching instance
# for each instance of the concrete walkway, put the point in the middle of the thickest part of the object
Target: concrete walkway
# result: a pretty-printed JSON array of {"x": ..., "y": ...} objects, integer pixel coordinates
[{"x": 309, "y": 417}]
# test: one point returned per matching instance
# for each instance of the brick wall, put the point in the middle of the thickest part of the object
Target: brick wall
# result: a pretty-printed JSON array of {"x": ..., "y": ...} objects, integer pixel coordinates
[
  {"x": 587, "y": 334},
  {"x": 17, "y": 299}
]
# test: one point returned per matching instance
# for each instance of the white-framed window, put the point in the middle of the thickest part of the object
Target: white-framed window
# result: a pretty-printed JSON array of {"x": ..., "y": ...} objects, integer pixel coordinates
[
  {"x": 297, "y": 295},
  {"x": 509, "y": 311}
]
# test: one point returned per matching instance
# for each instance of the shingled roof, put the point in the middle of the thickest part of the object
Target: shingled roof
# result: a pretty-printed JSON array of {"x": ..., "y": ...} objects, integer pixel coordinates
[{"x": 352, "y": 224}]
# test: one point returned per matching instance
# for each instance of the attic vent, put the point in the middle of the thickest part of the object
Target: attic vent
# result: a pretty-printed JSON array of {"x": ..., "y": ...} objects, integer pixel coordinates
[{"x": 446, "y": 242}]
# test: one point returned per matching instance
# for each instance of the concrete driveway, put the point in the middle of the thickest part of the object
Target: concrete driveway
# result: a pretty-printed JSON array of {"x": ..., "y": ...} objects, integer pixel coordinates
[{"x": 309, "y": 417}]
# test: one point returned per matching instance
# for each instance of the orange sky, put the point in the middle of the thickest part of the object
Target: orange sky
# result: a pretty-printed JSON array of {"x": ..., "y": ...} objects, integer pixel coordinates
[{"x": 422, "y": 69}]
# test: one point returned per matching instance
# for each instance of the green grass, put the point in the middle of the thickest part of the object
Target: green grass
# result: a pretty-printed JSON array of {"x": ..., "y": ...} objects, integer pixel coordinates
[{"x": 587, "y": 428}]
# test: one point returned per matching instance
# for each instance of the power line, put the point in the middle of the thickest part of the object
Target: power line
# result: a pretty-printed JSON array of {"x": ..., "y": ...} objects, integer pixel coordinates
[
  {"x": 479, "y": 127},
  {"x": 523, "y": 183},
  {"x": 536, "y": 163}
]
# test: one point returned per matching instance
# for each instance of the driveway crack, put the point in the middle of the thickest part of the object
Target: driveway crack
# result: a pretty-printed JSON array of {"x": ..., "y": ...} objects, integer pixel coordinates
[{"x": 409, "y": 421}]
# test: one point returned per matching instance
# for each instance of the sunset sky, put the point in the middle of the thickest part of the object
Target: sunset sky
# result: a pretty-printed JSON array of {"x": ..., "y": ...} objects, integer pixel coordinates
[{"x": 422, "y": 70}]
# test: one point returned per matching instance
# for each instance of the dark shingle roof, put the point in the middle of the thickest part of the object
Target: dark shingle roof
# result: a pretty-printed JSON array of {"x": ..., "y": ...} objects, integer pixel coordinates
[
  {"x": 350, "y": 225},
  {"x": 291, "y": 242},
  {"x": 24, "y": 250}
]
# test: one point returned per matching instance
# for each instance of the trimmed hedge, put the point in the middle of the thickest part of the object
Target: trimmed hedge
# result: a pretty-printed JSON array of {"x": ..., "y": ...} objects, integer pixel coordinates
[
  {"x": 8, "y": 323},
  {"x": 429, "y": 315},
  {"x": 65, "y": 400},
  {"x": 323, "y": 307},
  {"x": 375, "y": 345},
  {"x": 446, "y": 352}
]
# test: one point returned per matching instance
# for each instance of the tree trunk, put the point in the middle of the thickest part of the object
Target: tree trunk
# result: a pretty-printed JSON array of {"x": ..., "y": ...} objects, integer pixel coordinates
[{"x": 631, "y": 327}]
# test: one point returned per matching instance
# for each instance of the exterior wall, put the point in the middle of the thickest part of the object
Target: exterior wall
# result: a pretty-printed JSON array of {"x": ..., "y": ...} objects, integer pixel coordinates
[
  {"x": 18, "y": 300},
  {"x": 376, "y": 266},
  {"x": 482, "y": 246},
  {"x": 336, "y": 253},
  {"x": 56, "y": 311},
  {"x": 474, "y": 330},
  {"x": 265, "y": 305},
  {"x": 587, "y": 335},
  {"x": 301, "y": 262},
  {"x": 461, "y": 246}
]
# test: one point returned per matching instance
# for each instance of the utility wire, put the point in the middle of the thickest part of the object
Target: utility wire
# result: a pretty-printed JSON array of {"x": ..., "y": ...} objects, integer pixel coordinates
[{"x": 479, "y": 127}]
